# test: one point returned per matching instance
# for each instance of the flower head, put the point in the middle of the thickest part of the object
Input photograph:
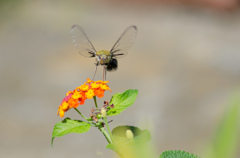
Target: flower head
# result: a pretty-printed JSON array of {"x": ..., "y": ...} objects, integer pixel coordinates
[{"x": 78, "y": 96}]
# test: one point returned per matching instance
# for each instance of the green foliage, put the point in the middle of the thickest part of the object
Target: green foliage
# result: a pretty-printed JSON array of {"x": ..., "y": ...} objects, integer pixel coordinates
[
  {"x": 177, "y": 154},
  {"x": 10, "y": 8},
  {"x": 119, "y": 134},
  {"x": 225, "y": 142},
  {"x": 130, "y": 147},
  {"x": 69, "y": 126},
  {"x": 121, "y": 101},
  {"x": 132, "y": 142}
]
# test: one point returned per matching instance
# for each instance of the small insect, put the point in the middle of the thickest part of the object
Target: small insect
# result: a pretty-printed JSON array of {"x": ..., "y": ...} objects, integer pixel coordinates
[{"x": 108, "y": 59}]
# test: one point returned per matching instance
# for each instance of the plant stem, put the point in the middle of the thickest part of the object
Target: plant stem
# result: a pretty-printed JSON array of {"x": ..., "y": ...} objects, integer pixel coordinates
[
  {"x": 80, "y": 113},
  {"x": 95, "y": 101},
  {"x": 106, "y": 123},
  {"x": 92, "y": 123},
  {"x": 109, "y": 139},
  {"x": 105, "y": 134}
]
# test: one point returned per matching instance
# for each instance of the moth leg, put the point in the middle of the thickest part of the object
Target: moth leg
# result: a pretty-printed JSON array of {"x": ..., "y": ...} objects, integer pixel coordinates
[
  {"x": 104, "y": 72},
  {"x": 105, "y": 69},
  {"x": 95, "y": 70}
]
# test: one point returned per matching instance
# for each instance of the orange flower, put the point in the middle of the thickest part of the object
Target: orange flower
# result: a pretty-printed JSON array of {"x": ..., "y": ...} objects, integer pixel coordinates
[
  {"x": 89, "y": 94},
  {"x": 65, "y": 106},
  {"x": 95, "y": 85},
  {"x": 73, "y": 103},
  {"x": 88, "y": 80},
  {"x": 61, "y": 113},
  {"x": 104, "y": 87},
  {"x": 84, "y": 87},
  {"x": 99, "y": 93},
  {"x": 82, "y": 99},
  {"x": 78, "y": 96}
]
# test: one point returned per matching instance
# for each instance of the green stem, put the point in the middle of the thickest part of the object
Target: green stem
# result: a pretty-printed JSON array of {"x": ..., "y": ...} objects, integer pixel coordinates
[
  {"x": 92, "y": 123},
  {"x": 95, "y": 101},
  {"x": 105, "y": 134},
  {"x": 80, "y": 113},
  {"x": 102, "y": 128},
  {"x": 106, "y": 124}
]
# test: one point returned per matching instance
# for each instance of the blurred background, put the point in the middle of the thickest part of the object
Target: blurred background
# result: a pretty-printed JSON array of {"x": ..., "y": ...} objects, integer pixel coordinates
[{"x": 185, "y": 64}]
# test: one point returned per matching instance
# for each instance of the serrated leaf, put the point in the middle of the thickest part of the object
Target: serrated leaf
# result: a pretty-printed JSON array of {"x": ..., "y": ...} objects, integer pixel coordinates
[
  {"x": 69, "y": 126},
  {"x": 121, "y": 101},
  {"x": 177, "y": 154}
]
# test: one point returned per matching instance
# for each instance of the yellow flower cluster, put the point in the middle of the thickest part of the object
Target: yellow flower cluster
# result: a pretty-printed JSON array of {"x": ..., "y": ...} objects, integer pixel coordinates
[{"x": 78, "y": 96}]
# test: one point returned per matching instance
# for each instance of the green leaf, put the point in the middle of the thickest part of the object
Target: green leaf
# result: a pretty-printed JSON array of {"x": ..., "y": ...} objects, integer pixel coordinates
[
  {"x": 119, "y": 133},
  {"x": 121, "y": 101},
  {"x": 110, "y": 146},
  {"x": 177, "y": 154},
  {"x": 226, "y": 139},
  {"x": 69, "y": 126},
  {"x": 135, "y": 146}
]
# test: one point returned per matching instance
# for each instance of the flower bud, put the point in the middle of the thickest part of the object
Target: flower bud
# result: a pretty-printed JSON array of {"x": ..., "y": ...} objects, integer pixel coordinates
[
  {"x": 103, "y": 112},
  {"x": 129, "y": 134},
  {"x": 61, "y": 113}
]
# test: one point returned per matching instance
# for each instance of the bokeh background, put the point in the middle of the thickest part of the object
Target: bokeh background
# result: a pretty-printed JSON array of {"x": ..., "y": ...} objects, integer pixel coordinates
[{"x": 185, "y": 63}]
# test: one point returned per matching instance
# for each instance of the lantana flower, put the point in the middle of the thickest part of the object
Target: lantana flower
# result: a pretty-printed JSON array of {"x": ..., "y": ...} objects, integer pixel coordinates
[{"x": 78, "y": 96}]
